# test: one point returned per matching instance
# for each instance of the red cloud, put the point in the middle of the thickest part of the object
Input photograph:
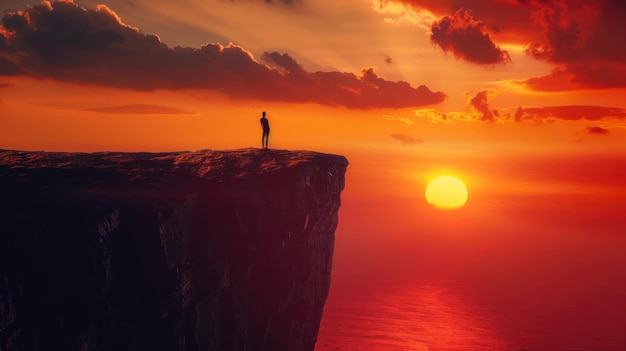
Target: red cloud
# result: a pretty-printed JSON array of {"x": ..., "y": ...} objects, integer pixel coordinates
[
  {"x": 66, "y": 42},
  {"x": 572, "y": 113},
  {"x": 141, "y": 109},
  {"x": 289, "y": 2},
  {"x": 480, "y": 103},
  {"x": 336, "y": 88},
  {"x": 9, "y": 68},
  {"x": 508, "y": 20},
  {"x": 406, "y": 139},
  {"x": 467, "y": 39},
  {"x": 596, "y": 130},
  {"x": 284, "y": 62},
  {"x": 581, "y": 37},
  {"x": 519, "y": 114},
  {"x": 558, "y": 80}
]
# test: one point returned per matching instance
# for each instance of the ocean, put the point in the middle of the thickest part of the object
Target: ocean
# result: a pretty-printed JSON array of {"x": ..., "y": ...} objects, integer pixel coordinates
[
  {"x": 418, "y": 315},
  {"x": 541, "y": 270}
]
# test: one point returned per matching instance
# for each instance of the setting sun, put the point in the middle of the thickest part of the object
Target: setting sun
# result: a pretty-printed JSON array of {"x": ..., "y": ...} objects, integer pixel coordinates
[{"x": 446, "y": 192}]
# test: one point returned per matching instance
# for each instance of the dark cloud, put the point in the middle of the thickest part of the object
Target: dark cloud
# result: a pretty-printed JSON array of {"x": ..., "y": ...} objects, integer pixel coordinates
[
  {"x": 562, "y": 35},
  {"x": 5, "y": 85},
  {"x": 338, "y": 88},
  {"x": 576, "y": 31},
  {"x": 288, "y": 2},
  {"x": 283, "y": 1},
  {"x": 141, "y": 109},
  {"x": 406, "y": 139},
  {"x": 596, "y": 130},
  {"x": 287, "y": 65},
  {"x": 598, "y": 75},
  {"x": 63, "y": 41},
  {"x": 506, "y": 20},
  {"x": 519, "y": 114},
  {"x": 571, "y": 113},
  {"x": 7, "y": 67},
  {"x": 480, "y": 103},
  {"x": 558, "y": 80},
  {"x": 466, "y": 39},
  {"x": 388, "y": 60},
  {"x": 582, "y": 37},
  {"x": 13, "y": 21}
]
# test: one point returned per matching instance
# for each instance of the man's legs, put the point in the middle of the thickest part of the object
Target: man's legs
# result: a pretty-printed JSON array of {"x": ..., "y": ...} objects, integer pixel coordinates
[{"x": 265, "y": 138}]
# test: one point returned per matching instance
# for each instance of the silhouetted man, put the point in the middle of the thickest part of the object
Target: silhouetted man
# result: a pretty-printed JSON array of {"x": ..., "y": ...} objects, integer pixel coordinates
[{"x": 265, "y": 124}]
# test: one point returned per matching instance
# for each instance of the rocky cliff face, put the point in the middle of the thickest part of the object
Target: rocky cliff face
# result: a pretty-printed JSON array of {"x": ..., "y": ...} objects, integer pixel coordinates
[{"x": 198, "y": 250}]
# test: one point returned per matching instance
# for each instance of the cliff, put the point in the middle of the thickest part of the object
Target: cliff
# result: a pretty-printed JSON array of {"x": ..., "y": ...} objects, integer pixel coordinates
[{"x": 202, "y": 250}]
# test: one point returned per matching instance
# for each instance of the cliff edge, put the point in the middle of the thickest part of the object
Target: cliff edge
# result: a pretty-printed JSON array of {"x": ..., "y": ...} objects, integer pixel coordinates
[{"x": 207, "y": 250}]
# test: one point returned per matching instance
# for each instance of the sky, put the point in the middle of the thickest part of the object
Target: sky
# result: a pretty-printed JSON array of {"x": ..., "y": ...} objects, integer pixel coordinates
[
  {"x": 523, "y": 100},
  {"x": 164, "y": 75}
]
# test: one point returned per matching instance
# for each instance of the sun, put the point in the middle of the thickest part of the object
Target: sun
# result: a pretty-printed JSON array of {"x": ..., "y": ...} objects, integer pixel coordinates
[{"x": 446, "y": 192}]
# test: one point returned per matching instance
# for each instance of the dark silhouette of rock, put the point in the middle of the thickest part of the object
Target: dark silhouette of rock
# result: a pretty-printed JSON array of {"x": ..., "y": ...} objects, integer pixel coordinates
[{"x": 207, "y": 250}]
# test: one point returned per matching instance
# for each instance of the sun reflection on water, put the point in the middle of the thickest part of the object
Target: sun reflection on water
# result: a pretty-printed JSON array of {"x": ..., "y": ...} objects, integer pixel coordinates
[{"x": 408, "y": 317}]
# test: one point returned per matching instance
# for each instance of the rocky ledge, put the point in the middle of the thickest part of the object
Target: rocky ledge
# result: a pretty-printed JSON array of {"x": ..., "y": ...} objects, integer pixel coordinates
[{"x": 206, "y": 250}]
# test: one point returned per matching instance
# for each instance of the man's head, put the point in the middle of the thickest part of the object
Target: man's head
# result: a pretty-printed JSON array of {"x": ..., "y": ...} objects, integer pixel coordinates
[{"x": 263, "y": 113}]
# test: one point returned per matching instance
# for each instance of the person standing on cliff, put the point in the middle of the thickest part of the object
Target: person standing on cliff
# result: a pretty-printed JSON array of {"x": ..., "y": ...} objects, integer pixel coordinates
[{"x": 265, "y": 124}]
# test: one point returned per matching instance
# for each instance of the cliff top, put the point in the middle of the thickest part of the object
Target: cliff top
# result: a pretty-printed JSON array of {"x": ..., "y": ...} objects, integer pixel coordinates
[{"x": 144, "y": 168}]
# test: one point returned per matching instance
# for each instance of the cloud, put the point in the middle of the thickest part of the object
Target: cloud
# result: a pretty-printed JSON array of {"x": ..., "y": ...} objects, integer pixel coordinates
[
  {"x": 480, "y": 103},
  {"x": 483, "y": 113},
  {"x": 581, "y": 38},
  {"x": 9, "y": 68},
  {"x": 406, "y": 139},
  {"x": 570, "y": 113},
  {"x": 596, "y": 130},
  {"x": 6, "y": 85},
  {"x": 141, "y": 109},
  {"x": 507, "y": 20},
  {"x": 558, "y": 80},
  {"x": 63, "y": 41},
  {"x": 288, "y": 2},
  {"x": 399, "y": 119},
  {"x": 285, "y": 63},
  {"x": 466, "y": 39},
  {"x": 434, "y": 116},
  {"x": 519, "y": 114}
]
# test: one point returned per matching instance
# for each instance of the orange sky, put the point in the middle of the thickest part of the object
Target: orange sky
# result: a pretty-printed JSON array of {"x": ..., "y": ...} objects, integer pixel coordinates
[
  {"x": 161, "y": 75},
  {"x": 373, "y": 80}
]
